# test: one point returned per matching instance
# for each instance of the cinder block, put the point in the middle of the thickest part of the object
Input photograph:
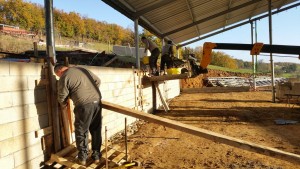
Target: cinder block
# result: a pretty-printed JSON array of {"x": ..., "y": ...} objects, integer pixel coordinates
[
  {"x": 104, "y": 87},
  {"x": 6, "y": 100},
  {"x": 31, "y": 82},
  {"x": 28, "y": 154},
  {"x": 29, "y": 125},
  {"x": 25, "y": 69},
  {"x": 4, "y": 68},
  {"x": 29, "y": 97},
  {"x": 18, "y": 143},
  {"x": 10, "y": 114},
  {"x": 6, "y": 147},
  {"x": 25, "y": 140},
  {"x": 32, "y": 164},
  {"x": 13, "y": 83},
  {"x": 7, "y": 162},
  {"x": 6, "y": 131},
  {"x": 18, "y": 113}
]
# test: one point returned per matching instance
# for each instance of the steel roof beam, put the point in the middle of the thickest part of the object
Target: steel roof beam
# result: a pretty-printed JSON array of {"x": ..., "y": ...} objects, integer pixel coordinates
[
  {"x": 240, "y": 24},
  {"x": 128, "y": 11},
  {"x": 192, "y": 16},
  {"x": 281, "y": 5},
  {"x": 212, "y": 17},
  {"x": 227, "y": 15}
]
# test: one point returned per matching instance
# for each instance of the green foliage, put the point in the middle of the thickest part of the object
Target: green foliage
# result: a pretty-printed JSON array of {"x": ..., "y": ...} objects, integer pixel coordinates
[
  {"x": 72, "y": 25},
  {"x": 224, "y": 60},
  {"x": 151, "y": 37},
  {"x": 229, "y": 70}
]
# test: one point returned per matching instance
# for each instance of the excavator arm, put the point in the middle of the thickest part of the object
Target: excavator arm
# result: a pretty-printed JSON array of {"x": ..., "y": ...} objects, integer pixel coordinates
[{"x": 255, "y": 49}]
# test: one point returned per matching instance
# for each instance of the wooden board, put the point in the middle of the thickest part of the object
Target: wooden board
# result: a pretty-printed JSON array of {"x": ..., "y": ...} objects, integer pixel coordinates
[
  {"x": 66, "y": 158},
  {"x": 165, "y": 104},
  {"x": 168, "y": 77},
  {"x": 246, "y": 145}
]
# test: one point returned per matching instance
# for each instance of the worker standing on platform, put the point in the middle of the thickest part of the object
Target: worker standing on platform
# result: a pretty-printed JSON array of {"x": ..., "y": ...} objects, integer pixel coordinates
[
  {"x": 80, "y": 84},
  {"x": 167, "y": 55},
  {"x": 152, "y": 47}
]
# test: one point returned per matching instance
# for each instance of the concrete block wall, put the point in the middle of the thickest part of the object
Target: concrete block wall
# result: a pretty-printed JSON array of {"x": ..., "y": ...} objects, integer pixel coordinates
[
  {"x": 24, "y": 109},
  {"x": 117, "y": 86}
]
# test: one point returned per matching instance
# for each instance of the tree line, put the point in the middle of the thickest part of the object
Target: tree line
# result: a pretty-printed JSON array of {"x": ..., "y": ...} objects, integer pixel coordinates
[{"x": 31, "y": 16}]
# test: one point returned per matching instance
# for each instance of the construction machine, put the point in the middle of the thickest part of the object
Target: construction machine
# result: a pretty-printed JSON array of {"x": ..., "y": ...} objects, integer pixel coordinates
[
  {"x": 190, "y": 68},
  {"x": 255, "y": 49}
]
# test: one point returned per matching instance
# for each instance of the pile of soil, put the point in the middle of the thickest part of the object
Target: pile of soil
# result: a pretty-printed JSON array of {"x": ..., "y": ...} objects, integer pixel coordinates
[{"x": 197, "y": 82}]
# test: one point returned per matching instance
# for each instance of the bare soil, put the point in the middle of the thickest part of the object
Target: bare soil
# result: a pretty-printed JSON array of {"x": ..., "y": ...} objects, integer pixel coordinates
[{"x": 244, "y": 115}]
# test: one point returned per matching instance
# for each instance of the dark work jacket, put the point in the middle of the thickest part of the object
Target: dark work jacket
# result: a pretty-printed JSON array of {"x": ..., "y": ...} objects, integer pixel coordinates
[{"x": 76, "y": 84}]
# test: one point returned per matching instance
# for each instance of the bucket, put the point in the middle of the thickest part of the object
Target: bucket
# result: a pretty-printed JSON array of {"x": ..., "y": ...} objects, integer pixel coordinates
[
  {"x": 174, "y": 71},
  {"x": 146, "y": 60}
]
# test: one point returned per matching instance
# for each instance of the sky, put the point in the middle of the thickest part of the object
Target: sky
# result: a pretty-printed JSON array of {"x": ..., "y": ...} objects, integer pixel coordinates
[{"x": 285, "y": 28}]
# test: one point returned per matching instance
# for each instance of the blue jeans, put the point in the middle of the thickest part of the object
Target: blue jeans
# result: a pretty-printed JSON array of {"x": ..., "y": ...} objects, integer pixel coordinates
[{"x": 88, "y": 118}]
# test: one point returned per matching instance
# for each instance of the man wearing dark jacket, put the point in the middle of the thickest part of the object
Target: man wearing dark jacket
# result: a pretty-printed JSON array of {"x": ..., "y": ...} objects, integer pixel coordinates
[{"x": 77, "y": 83}]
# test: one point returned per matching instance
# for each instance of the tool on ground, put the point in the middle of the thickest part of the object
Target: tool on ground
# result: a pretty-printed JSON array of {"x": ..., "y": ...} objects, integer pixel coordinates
[{"x": 128, "y": 164}]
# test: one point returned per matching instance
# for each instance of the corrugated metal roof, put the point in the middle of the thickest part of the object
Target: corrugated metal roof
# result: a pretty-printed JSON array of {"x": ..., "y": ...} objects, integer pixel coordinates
[{"x": 183, "y": 20}]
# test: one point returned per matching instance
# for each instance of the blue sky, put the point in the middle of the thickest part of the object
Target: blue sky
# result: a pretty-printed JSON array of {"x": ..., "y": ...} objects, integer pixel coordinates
[{"x": 286, "y": 26}]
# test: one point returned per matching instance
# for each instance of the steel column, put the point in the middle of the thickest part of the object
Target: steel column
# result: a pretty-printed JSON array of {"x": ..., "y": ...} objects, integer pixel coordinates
[
  {"x": 271, "y": 55},
  {"x": 50, "y": 61},
  {"x": 136, "y": 40}
]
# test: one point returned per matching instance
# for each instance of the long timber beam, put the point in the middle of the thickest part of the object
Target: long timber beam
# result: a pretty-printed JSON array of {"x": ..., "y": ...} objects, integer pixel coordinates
[{"x": 269, "y": 151}]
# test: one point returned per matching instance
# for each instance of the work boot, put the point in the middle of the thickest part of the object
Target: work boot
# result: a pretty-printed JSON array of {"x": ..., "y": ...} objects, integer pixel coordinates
[
  {"x": 96, "y": 155},
  {"x": 80, "y": 161}
]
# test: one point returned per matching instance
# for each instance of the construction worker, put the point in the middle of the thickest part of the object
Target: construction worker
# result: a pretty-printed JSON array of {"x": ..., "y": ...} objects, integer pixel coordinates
[
  {"x": 80, "y": 85},
  {"x": 167, "y": 55},
  {"x": 152, "y": 47}
]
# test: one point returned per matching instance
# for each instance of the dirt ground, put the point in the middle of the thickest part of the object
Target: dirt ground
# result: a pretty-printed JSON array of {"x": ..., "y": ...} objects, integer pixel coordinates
[{"x": 248, "y": 116}]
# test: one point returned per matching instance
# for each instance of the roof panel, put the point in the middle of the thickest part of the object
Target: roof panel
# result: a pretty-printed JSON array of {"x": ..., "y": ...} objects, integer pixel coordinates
[{"x": 182, "y": 20}]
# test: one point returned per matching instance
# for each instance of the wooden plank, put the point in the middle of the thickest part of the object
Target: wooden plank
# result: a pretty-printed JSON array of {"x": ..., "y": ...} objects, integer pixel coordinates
[
  {"x": 109, "y": 153},
  {"x": 118, "y": 158},
  {"x": 57, "y": 166},
  {"x": 66, "y": 126},
  {"x": 49, "y": 162},
  {"x": 41, "y": 82},
  {"x": 42, "y": 132},
  {"x": 165, "y": 105},
  {"x": 246, "y": 145},
  {"x": 66, "y": 150},
  {"x": 66, "y": 162},
  {"x": 168, "y": 77},
  {"x": 154, "y": 105}
]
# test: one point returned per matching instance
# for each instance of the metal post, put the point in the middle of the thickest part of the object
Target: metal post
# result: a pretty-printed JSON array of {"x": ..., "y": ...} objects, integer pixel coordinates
[
  {"x": 136, "y": 40},
  {"x": 253, "y": 60},
  {"x": 50, "y": 62},
  {"x": 35, "y": 48},
  {"x": 255, "y": 23},
  {"x": 50, "y": 42},
  {"x": 106, "y": 160},
  {"x": 126, "y": 147},
  {"x": 134, "y": 88},
  {"x": 271, "y": 56}
]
